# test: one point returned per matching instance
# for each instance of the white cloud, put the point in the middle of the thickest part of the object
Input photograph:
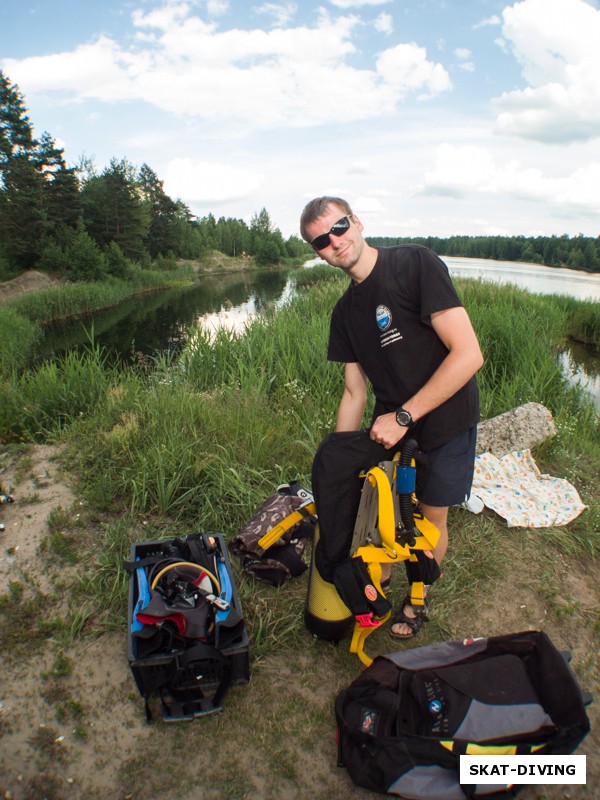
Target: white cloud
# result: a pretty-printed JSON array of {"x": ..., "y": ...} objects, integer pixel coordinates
[
  {"x": 359, "y": 168},
  {"x": 459, "y": 170},
  {"x": 384, "y": 23},
  {"x": 215, "y": 8},
  {"x": 493, "y": 20},
  {"x": 208, "y": 182},
  {"x": 161, "y": 18},
  {"x": 406, "y": 67},
  {"x": 253, "y": 79},
  {"x": 281, "y": 12},
  {"x": 91, "y": 70},
  {"x": 557, "y": 47},
  {"x": 463, "y": 54},
  {"x": 368, "y": 207},
  {"x": 463, "y": 170},
  {"x": 358, "y": 3}
]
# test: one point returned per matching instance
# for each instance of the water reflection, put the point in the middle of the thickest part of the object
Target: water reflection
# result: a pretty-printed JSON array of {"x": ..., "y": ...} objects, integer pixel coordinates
[
  {"x": 162, "y": 321},
  {"x": 535, "y": 278},
  {"x": 236, "y": 318},
  {"x": 582, "y": 369}
]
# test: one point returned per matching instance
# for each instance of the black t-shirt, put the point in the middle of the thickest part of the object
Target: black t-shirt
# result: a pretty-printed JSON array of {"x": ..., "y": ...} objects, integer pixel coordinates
[{"x": 384, "y": 324}]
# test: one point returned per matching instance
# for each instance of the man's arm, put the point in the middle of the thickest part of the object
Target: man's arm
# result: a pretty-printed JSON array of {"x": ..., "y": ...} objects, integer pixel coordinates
[
  {"x": 464, "y": 358},
  {"x": 354, "y": 399}
]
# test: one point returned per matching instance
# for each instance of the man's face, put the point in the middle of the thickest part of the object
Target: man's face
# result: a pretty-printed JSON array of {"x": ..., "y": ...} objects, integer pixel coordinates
[{"x": 344, "y": 250}]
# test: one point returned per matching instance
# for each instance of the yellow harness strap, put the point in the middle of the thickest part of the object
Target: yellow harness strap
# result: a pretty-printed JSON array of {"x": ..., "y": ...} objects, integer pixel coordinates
[
  {"x": 386, "y": 522},
  {"x": 288, "y": 522},
  {"x": 390, "y": 552},
  {"x": 360, "y": 632}
]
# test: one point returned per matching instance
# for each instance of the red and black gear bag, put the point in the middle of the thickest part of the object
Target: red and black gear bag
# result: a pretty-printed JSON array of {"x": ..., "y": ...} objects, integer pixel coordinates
[{"x": 405, "y": 721}]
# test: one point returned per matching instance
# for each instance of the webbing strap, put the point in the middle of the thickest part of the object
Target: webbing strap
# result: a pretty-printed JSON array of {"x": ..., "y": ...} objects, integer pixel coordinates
[
  {"x": 386, "y": 519},
  {"x": 390, "y": 551},
  {"x": 307, "y": 510},
  {"x": 474, "y": 749},
  {"x": 359, "y": 635},
  {"x": 417, "y": 593},
  {"x": 360, "y": 632}
]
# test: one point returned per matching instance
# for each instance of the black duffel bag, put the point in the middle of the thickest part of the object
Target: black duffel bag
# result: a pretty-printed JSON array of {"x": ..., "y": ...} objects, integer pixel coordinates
[{"x": 406, "y": 720}]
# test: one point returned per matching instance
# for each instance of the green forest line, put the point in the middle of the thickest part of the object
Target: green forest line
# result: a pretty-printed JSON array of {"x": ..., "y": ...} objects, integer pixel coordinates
[
  {"x": 578, "y": 252},
  {"x": 83, "y": 224}
]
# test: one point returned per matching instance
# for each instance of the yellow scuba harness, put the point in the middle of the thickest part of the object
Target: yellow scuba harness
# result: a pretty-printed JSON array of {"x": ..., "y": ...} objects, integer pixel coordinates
[
  {"x": 389, "y": 529},
  {"x": 386, "y": 534}
]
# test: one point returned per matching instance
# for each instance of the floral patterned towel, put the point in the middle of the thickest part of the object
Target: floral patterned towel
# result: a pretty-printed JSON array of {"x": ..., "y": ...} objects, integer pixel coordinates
[{"x": 514, "y": 487}]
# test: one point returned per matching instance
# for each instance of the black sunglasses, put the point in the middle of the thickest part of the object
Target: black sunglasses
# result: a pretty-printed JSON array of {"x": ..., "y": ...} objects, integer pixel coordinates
[{"x": 339, "y": 228}]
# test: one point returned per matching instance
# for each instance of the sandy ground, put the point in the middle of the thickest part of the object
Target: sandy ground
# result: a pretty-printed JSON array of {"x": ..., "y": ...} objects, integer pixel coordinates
[{"x": 262, "y": 746}]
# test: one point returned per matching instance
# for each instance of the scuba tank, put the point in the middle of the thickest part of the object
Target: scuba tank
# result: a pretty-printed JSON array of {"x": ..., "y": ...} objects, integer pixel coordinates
[{"x": 325, "y": 613}]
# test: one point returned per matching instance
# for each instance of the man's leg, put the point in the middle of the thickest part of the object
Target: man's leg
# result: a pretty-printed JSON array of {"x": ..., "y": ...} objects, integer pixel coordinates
[
  {"x": 444, "y": 481},
  {"x": 438, "y": 516}
]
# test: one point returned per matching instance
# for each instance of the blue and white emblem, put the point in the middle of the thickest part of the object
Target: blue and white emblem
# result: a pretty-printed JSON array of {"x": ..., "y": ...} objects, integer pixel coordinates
[
  {"x": 384, "y": 318},
  {"x": 435, "y": 707}
]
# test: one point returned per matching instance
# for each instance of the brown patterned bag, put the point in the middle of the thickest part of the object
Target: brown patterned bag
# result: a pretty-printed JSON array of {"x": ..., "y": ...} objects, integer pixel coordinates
[{"x": 283, "y": 559}]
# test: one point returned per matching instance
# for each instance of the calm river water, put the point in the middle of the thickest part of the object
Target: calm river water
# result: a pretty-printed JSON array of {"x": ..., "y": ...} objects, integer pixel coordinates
[
  {"x": 533, "y": 277},
  {"x": 161, "y": 322}
]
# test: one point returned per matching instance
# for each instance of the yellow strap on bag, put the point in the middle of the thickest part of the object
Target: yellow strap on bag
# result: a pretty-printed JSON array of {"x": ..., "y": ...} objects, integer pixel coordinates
[
  {"x": 474, "y": 749},
  {"x": 288, "y": 522}
]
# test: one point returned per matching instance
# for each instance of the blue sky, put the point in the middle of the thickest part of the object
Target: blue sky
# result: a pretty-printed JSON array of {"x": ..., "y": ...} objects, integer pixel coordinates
[{"x": 432, "y": 117}]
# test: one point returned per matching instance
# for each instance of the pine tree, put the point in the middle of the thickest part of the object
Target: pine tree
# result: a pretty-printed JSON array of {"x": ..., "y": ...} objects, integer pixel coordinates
[
  {"x": 22, "y": 218},
  {"x": 114, "y": 211},
  {"x": 62, "y": 202},
  {"x": 16, "y": 135},
  {"x": 162, "y": 236},
  {"x": 22, "y": 221}
]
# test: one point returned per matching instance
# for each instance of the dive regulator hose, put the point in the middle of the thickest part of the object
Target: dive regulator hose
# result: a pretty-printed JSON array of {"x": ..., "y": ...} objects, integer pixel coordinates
[{"x": 406, "y": 479}]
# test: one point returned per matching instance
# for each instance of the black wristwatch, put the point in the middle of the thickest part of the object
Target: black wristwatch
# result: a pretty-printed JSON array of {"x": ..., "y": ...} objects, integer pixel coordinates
[{"x": 404, "y": 418}]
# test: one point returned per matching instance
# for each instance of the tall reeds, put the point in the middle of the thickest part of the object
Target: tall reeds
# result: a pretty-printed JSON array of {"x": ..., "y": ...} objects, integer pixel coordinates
[
  {"x": 22, "y": 317},
  {"x": 207, "y": 435}
]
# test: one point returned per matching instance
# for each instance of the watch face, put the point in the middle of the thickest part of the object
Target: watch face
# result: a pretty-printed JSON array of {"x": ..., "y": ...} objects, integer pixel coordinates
[{"x": 403, "y": 418}]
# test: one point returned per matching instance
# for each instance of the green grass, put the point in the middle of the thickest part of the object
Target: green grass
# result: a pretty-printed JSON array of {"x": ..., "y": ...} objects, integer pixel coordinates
[
  {"x": 236, "y": 414},
  {"x": 19, "y": 337},
  {"x": 39, "y": 404},
  {"x": 196, "y": 443},
  {"x": 199, "y": 441},
  {"x": 309, "y": 276}
]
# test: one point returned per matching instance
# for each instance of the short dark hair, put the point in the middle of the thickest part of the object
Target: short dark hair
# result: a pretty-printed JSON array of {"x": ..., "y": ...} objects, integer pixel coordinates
[{"x": 316, "y": 208}]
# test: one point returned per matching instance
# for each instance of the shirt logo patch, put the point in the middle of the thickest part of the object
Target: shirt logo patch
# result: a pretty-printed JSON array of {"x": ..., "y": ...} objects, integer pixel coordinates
[{"x": 384, "y": 318}]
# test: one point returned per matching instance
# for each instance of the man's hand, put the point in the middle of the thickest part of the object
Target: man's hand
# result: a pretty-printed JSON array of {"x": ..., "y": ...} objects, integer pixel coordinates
[{"x": 386, "y": 431}]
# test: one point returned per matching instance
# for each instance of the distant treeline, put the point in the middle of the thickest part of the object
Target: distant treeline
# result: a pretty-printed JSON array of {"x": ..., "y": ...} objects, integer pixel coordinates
[
  {"x": 88, "y": 225},
  {"x": 579, "y": 252}
]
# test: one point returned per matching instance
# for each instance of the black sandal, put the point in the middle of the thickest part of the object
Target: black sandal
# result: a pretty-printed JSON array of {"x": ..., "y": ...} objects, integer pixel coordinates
[{"x": 414, "y": 623}]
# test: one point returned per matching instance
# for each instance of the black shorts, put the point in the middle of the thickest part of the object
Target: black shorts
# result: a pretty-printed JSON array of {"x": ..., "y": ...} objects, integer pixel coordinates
[{"x": 447, "y": 477}]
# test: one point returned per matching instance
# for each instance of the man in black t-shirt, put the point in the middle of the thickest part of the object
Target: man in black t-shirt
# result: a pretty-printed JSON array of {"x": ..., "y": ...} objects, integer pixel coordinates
[{"x": 401, "y": 326}]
